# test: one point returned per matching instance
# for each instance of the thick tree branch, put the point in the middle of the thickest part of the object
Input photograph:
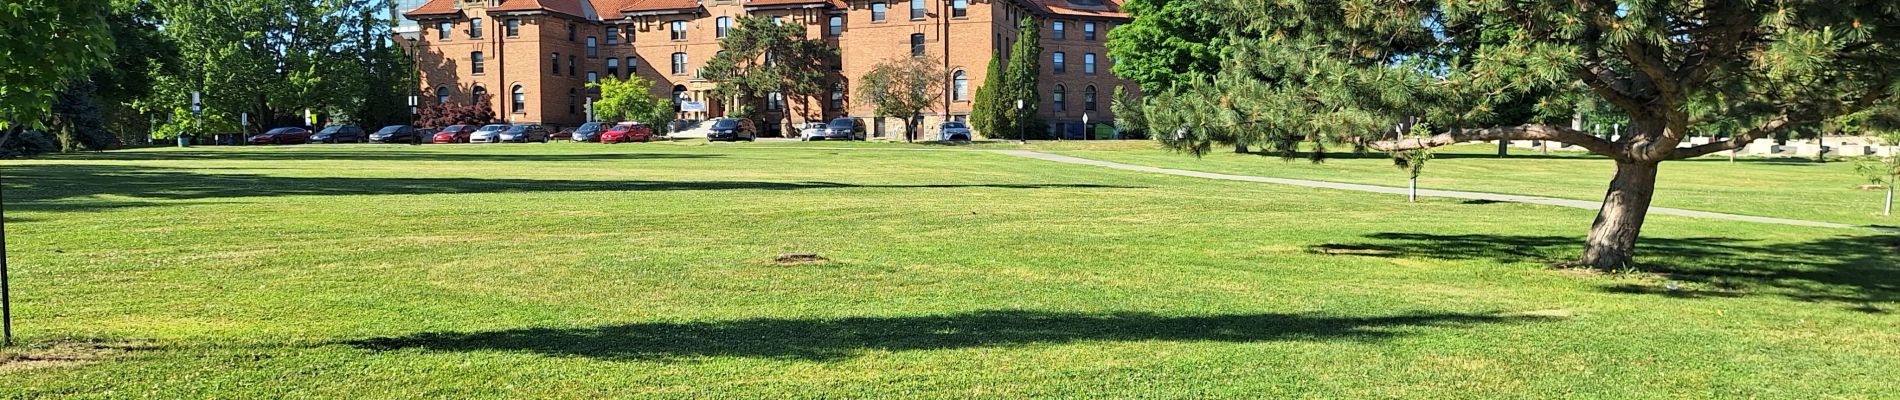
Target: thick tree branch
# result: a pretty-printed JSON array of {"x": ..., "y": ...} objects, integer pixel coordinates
[
  {"x": 1736, "y": 142},
  {"x": 1521, "y": 132}
]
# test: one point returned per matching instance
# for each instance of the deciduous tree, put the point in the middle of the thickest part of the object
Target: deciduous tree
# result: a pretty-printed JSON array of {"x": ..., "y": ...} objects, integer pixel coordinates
[
  {"x": 632, "y": 100},
  {"x": 902, "y": 88}
]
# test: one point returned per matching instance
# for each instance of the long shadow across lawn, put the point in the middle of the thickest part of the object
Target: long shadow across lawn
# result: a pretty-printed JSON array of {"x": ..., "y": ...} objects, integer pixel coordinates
[
  {"x": 833, "y": 339},
  {"x": 68, "y": 187},
  {"x": 366, "y": 154},
  {"x": 1861, "y": 272}
]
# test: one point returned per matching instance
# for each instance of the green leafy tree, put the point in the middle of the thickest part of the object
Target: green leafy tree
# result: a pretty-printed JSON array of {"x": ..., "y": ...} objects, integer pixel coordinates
[
  {"x": 276, "y": 59},
  {"x": 902, "y": 88},
  {"x": 1333, "y": 73},
  {"x": 631, "y": 100},
  {"x": 760, "y": 56},
  {"x": 1021, "y": 82},
  {"x": 986, "y": 110},
  {"x": 1883, "y": 171},
  {"x": 1167, "y": 40},
  {"x": 44, "y": 45}
]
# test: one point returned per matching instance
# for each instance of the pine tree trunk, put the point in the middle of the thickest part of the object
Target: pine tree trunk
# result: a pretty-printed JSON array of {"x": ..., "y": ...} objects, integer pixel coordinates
[
  {"x": 1504, "y": 148},
  {"x": 1240, "y": 148},
  {"x": 1612, "y": 242}
]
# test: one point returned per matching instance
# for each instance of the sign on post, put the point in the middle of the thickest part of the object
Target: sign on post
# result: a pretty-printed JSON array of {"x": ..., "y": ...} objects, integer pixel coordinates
[{"x": 693, "y": 106}]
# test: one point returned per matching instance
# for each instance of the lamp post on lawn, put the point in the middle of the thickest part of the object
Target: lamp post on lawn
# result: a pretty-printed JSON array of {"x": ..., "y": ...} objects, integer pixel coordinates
[
  {"x": 1022, "y": 130},
  {"x": 6, "y": 293}
]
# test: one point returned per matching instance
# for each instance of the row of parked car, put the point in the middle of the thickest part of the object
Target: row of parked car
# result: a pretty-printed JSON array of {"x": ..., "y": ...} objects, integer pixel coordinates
[{"x": 602, "y": 132}]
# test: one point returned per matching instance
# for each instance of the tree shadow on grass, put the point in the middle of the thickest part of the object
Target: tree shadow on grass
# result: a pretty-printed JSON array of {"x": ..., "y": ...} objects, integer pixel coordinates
[
  {"x": 841, "y": 338},
  {"x": 56, "y": 187},
  {"x": 1861, "y": 272}
]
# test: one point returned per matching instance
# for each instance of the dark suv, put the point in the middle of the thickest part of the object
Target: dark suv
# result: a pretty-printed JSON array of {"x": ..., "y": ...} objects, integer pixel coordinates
[
  {"x": 732, "y": 130},
  {"x": 397, "y": 134},
  {"x": 846, "y": 128}
]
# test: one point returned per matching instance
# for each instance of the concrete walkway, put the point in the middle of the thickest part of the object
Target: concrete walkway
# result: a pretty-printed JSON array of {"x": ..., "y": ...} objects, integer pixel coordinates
[{"x": 1589, "y": 205}]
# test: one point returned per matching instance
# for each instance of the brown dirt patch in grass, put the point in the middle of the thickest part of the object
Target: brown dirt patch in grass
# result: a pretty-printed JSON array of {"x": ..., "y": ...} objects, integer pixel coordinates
[{"x": 57, "y": 354}]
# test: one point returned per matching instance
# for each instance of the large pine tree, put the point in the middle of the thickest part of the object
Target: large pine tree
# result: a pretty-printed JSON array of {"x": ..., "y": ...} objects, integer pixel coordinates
[
  {"x": 1022, "y": 81},
  {"x": 985, "y": 113},
  {"x": 1345, "y": 71}
]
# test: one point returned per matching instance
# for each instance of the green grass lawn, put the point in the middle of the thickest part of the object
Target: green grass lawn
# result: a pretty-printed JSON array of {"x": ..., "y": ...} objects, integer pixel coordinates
[
  {"x": 1784, "y": 188},
  {"x": 647, "y": 270}
]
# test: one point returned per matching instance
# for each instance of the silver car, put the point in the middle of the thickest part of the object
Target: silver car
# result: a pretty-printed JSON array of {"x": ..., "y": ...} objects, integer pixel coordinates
[
  {"x": 955, "y": 131},
  {"x": 812, "y": 131},
  {"x": 488, "y": 134}
]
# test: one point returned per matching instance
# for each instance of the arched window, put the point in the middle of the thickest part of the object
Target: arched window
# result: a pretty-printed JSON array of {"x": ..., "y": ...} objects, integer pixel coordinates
[
  {"x": 442, "y": 95},
  {"x": 613, "y": 67},
  {"x": 916, "y": 45},
  {"x": 1055, "y": 61},
  {"x": 520, "y": 102},
  {"x": 478, "y": 94},
  {"x": 679, "y": 95},
  {"x": 1088, "y": 98},
  {"x": 724, "y": 25},
  {"x": 1060, "y": 102},
  {"x": 960, "y": 86},
  {"x": 679, "y": 63}
]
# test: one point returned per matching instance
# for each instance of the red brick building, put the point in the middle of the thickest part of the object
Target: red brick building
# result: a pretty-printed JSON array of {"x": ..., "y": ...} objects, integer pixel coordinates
[{"x": 536, "y": 56}]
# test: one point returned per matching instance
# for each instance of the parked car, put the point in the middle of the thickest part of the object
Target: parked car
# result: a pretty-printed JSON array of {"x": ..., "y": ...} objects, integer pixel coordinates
[
  {"x": 340, "y": 134},
  {"x": 589, "y": 132},
  {"x": 845, "y": 128},
  {"x": 454, "y": 134},
  {"x": 490, "y": 133},
  {"x": 628, "y": 132},
  {"x": 397, "y": 134},
  {"x": 812, "y": 131},
  {"x": 285, "y": 135},
  {"x": 523, "y": 133},
  {"x": 732, "y": 130},
  {"x": 955, "y": 131},
  {"x": 563, "y": 134}
]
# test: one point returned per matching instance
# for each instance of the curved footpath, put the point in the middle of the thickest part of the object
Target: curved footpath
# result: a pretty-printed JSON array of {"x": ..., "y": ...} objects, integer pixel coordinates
[{"x": 1549, "y": 201}]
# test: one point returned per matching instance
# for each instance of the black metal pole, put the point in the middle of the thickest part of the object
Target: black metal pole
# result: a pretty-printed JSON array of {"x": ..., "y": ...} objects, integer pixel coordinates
[{"x": 6, "y": 293}]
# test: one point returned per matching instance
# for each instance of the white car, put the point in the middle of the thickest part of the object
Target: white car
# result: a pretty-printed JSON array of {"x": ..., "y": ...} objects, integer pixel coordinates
[
  {"x": 488, "y": 134},
  {"x": 812, "y": 131},
  {"x": 955, "y": 131}
]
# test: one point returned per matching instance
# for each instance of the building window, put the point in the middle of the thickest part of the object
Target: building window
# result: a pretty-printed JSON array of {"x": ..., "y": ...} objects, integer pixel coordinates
[
  {"x": 633, "y": 66},
  {"x": 959, "y": 8},
  {"x": 1088, "y": 31},
  {"x": 1061, "y": 103},
  {"x": 442, "y": 95},
  {"x": 1057, "y": 30},
  {"x": 679, "y": 30},
  {"x": 1055, "y": 60},
  {"x": 1088, "y": 63},
  {"x": 960, "y": 87},
  {"x": 478, "y": 95},
  {"x": 613, "y": 36},
  {"x": 573, "y": 103},
  {"x": 554, "y": 63},
  {"x": 679, "y": 63},
  {"x": 570, "y": 66},
  {"x": 512, "y": 27},
  {"x": 593, "y": 77},
  {"x": 571, "y": 30},
  {"x": 443, "y": 28},
  {"x": 722, "y": 25},
  {"x": 775, "y": 102},
  {"x": 613, "y": 67},
  {"x": 593, "y": 47},
  {"x": 837, "y": 26},
  {"x": 837, "y": 99},
  {"x": 916, "y": 9},
  {"x": 680, "y": 95},
  {"x": 630, "y": 31},
  {"x": 1088, "y": 98},
  {"x": 916, "y": 45},
  {"x": 520, "y": 99},
  {"x": 476, "y": 63},
  {"x": 475, "y": 28},
  {"x": 877, "y": 11}
]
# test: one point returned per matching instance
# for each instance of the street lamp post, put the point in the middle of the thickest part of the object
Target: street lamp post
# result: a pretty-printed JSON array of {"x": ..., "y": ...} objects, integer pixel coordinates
[
  {"x": 1022, "y": 129},
  {"x": 6, "y": 292}
]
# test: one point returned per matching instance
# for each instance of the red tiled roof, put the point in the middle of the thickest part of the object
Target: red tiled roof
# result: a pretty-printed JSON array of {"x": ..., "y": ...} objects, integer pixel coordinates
[
  {"x": 658, "y": 5},
  {"x": 1107, "y": 8},
  {"x": 761, "y": 3},
  {"x": 434, "y": 7},
  {"x": 569, "y": 7}
]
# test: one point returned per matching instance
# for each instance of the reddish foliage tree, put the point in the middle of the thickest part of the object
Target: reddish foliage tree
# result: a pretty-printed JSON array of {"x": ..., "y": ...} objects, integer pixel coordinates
[{"x": 445, "y": 114}]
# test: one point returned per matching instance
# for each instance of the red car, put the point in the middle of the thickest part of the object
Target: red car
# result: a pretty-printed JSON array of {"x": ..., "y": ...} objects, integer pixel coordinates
[
  {"x": 454, "y": 134},
  {"x": 628, "y": 132},
  {"x": 288, "y": 135}
]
